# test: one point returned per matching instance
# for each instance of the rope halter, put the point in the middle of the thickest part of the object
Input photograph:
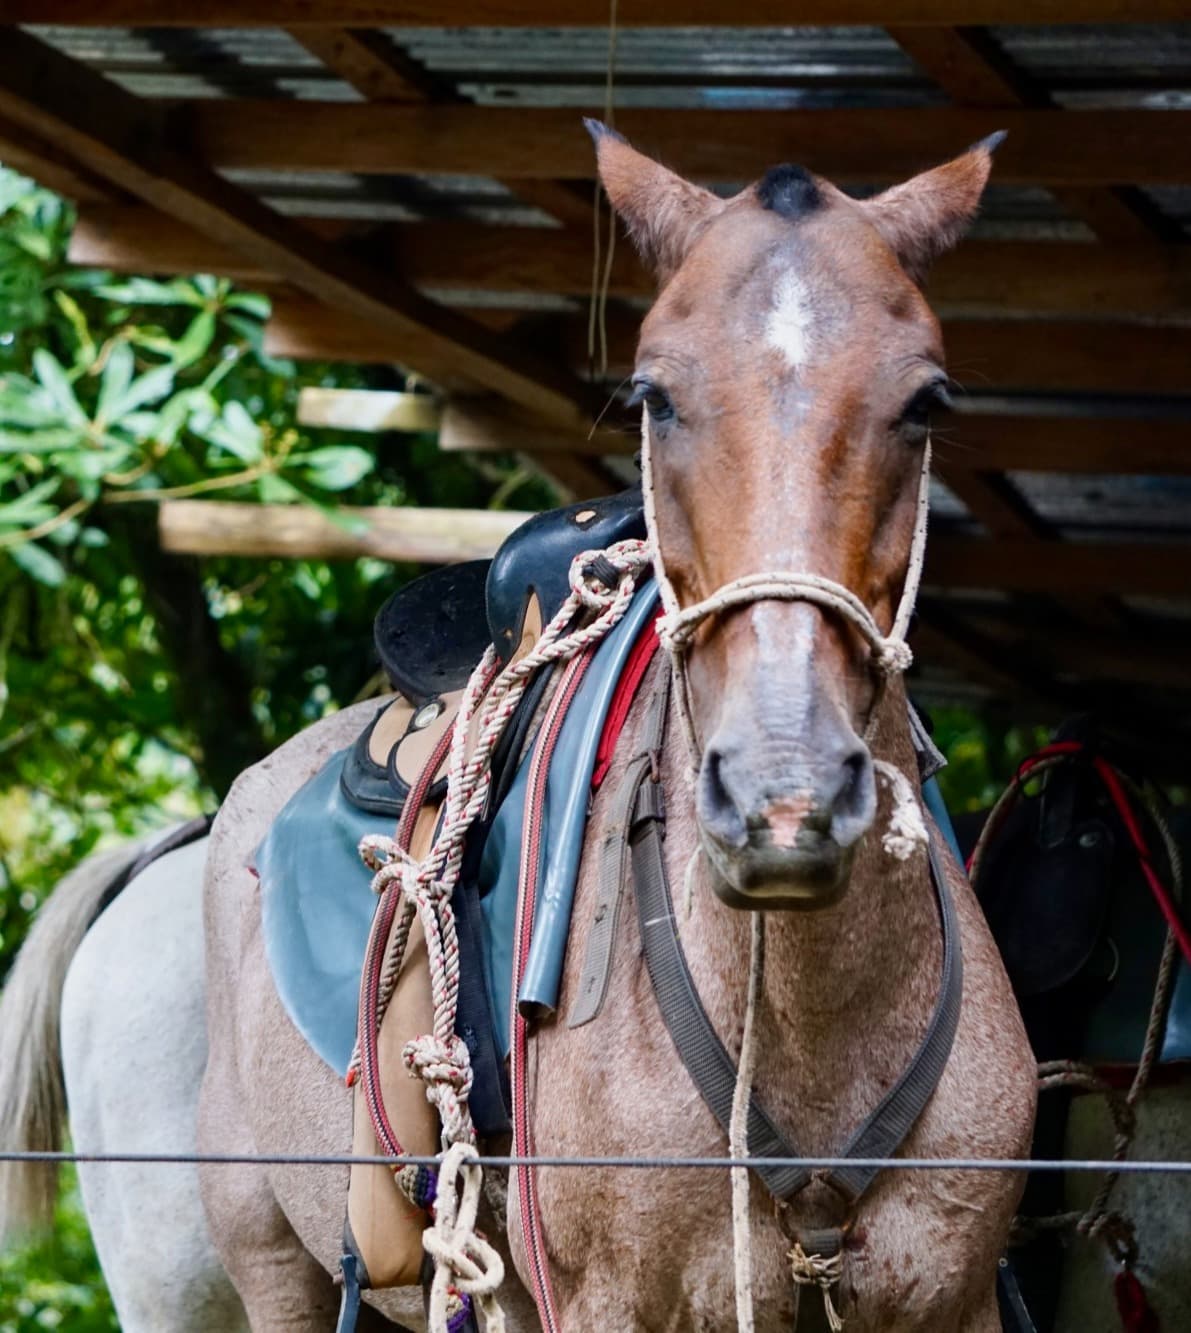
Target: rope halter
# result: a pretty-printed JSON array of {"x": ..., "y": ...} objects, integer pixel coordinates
[{"x": 889, "y": 653}]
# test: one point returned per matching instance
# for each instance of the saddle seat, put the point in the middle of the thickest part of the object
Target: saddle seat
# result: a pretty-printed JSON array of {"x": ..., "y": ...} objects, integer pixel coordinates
[{"x": 431, "y": 633}]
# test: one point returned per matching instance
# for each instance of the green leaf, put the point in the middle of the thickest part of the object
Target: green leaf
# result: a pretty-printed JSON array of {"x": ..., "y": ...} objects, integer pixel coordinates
[
  {"x": 274, "y": 490},
  {"x": 39, "y": 564},
  {"x": 78, "y": 323},
  {"x": 196, "y": 341},
  {"x": 30, "y": 506},
  {"x": 24, "y": 403},
  {"x": 253, "y": 303},
  {"x": 236, "y": 433},
  {"x": 336, "y": 467},
  {"x": 49, "y": 441},
  {"x": 113, "y": 384},
  {"x": 146, "y": 291},
  {"x": 57, "y": 384}
]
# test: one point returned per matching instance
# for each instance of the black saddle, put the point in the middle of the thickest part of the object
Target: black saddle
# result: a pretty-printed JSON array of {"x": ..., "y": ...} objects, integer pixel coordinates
[{"x": 431, "y": 633}]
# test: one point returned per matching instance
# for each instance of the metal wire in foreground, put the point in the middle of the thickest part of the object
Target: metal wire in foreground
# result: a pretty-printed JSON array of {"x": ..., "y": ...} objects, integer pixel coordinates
[{"x": 628, "y": 1163}]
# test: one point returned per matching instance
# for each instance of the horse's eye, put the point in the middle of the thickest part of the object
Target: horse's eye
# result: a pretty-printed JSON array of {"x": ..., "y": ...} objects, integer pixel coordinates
[
  {"x": 914, "y": 423},
  {"x": 656, "y": 400}
]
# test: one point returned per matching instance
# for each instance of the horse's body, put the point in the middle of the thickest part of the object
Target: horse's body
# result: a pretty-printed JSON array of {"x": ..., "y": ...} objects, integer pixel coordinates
[{"x": 789, "y": 363}]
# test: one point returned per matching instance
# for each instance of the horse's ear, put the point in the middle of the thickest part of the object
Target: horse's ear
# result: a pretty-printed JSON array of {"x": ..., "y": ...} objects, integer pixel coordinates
[
  {"x": 663, "y": 213},
  {"x": 927, "y": 215}
]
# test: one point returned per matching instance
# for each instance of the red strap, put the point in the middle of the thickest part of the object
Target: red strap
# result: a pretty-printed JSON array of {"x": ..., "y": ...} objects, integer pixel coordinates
[
  {"x": 1137, "y": 1314},
  {"x": 626, "y": 691}
]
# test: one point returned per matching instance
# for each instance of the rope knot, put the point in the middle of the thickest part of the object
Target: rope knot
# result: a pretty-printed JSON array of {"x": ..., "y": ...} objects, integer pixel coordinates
[
  {"x": 893, "y": 657},
  {"x": 907, "y": 829},
  {"x": 389, "y": 861},
  {"x": 822, "y": 1271},
  {"x": 597, "y": 577},
  {"x": 445, "y": 1068},
  {"x": 464, "y": 1262}
]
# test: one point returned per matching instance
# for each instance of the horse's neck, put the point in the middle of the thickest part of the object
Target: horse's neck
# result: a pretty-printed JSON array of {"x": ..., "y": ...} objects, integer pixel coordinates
[{"x": 847, "y": 989}]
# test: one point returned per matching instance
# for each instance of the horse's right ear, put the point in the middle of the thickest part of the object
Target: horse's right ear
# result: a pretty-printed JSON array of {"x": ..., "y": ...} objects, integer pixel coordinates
[{"x": 663, "y": 213}]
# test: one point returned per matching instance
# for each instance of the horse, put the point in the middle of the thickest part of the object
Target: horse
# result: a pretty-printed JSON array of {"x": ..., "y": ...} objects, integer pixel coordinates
[{"x": 787, "y": 372}]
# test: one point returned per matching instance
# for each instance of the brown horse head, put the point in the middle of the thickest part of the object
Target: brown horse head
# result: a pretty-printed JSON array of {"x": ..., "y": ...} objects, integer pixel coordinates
[{"x": 787, "y": 371}]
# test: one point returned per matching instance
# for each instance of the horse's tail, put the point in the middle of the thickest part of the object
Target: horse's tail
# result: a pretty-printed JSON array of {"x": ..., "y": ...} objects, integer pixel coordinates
[{"x": 32, "y": 1094}]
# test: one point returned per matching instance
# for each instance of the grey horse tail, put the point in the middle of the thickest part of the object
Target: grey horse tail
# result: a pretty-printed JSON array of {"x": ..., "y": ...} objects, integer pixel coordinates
[{"x": 32, "y": 1094}]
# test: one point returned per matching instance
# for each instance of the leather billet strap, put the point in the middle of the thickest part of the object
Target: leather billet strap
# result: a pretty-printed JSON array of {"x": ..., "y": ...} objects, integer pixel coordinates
[
  {"x": 615, "y": 861},
  {"x": 712, "y": 1068}
]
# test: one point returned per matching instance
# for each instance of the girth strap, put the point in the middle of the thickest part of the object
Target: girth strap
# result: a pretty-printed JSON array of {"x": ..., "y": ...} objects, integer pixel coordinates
[{"x": 704, "y": 1055}]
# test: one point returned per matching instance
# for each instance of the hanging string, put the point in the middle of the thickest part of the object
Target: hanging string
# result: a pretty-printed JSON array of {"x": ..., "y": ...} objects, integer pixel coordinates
[{"x": 601, "y": 265}]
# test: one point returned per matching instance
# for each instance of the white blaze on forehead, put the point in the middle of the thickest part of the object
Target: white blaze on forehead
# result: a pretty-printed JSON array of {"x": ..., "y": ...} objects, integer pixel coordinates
[{"x": 791, "y": 320}]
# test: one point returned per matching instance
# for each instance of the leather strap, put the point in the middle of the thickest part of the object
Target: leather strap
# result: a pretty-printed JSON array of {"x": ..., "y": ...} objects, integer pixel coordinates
[
  {"x": 712, "y": 1068},
  {"x": 614, "y": 864}
]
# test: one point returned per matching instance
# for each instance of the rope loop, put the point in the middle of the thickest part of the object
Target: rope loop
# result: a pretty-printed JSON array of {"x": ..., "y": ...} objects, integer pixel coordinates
[
  {"x": 590, "y": 572},
  {"x": 465, "y": 1263}
]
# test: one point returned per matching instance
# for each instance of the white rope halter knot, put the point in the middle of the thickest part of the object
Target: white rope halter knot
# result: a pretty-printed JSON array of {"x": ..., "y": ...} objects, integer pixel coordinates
[{"x": 463, "y": 1259}]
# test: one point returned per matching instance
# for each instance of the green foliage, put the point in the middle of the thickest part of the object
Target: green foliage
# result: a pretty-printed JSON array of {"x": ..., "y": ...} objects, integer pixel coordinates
[{"x": 56, "y": 1283}]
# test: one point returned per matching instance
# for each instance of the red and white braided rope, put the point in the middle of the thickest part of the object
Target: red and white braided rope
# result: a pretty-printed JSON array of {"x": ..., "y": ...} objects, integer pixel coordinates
[{"x": 440, "y": 1058}]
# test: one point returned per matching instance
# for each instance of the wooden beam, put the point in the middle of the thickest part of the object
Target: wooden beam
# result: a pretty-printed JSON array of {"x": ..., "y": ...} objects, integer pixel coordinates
[
  {"x": 1045, "y": 147},
  {"x": 1002, "y": 277},
  {"x": 430, "y": 536},
  {"x": 973, "y": 69},
  {"x": 370, "y": 63},
  {"x": 49, "y": 167},
  {"x": 124, "y": 139},
  {"x": 212, "y": 527},
  {"x": 996, "y": 503},
  {"x": 368, "y": 410},
  {"x": 1025, "y": 566},
  {"x": 580, "y": 13},
  {"x": 982, "y": 355},
  {"x": 483, "y": 426},
  {"x": 1127, "y": 445}
]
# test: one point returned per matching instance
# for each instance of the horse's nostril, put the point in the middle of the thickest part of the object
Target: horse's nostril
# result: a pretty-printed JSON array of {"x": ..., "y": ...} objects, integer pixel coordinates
[
  {"x": 718, "y": 810},
  {"x": 855, "y": 801}
]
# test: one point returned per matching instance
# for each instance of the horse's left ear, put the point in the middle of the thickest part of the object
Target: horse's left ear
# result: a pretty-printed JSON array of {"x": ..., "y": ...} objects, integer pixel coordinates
[{"x": 927, "y": 215}]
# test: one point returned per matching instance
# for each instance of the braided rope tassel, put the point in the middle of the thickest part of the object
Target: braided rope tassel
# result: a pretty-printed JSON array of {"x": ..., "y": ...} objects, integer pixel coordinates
[{"x": 814, "y": 1270}]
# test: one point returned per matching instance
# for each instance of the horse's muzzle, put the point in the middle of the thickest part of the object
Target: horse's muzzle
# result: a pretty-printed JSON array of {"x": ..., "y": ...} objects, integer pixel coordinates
[{"x": 781, "y": 835}]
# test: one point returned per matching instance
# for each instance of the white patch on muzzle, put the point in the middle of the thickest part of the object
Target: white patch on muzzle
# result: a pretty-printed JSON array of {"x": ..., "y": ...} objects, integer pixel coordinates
[{"x": 791, "y": 320}]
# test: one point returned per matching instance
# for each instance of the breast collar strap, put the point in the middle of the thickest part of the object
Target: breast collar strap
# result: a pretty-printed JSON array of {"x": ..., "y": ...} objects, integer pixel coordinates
[
  {"x": 703, "y": 1054},
  {"x": 890, "y": 654}
]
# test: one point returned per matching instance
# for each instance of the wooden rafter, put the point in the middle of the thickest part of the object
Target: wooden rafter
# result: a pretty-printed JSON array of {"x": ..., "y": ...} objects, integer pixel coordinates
[
  {"x": 51, "y": 168},
  {"x": 1045, "y": 147},
  {"x": 124, "y": 140},
  {"x": 983, "y": 355},
  {"x": 378, "y": 69},
  {"x": 580, "y": 13},
  {"x": 953, "y": 562},
  {"x": 1005, "y": 277},
  {"x": 974, "y": 70}
]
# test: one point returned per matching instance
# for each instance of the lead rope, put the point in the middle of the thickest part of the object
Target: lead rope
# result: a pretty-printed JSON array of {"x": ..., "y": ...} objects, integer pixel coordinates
[
  {"x": 906, "y": 831},
  {"x": 462, "y": 1258},
  {"x": 738, "y": 1146}
]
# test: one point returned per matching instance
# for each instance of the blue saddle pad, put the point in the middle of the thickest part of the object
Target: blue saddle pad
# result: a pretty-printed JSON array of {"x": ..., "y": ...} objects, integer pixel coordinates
[{"x": 317, "y": 906}]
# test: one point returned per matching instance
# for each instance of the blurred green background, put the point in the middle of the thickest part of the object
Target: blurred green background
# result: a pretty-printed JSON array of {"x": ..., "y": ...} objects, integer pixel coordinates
[{"x": 135, "y": 685}]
